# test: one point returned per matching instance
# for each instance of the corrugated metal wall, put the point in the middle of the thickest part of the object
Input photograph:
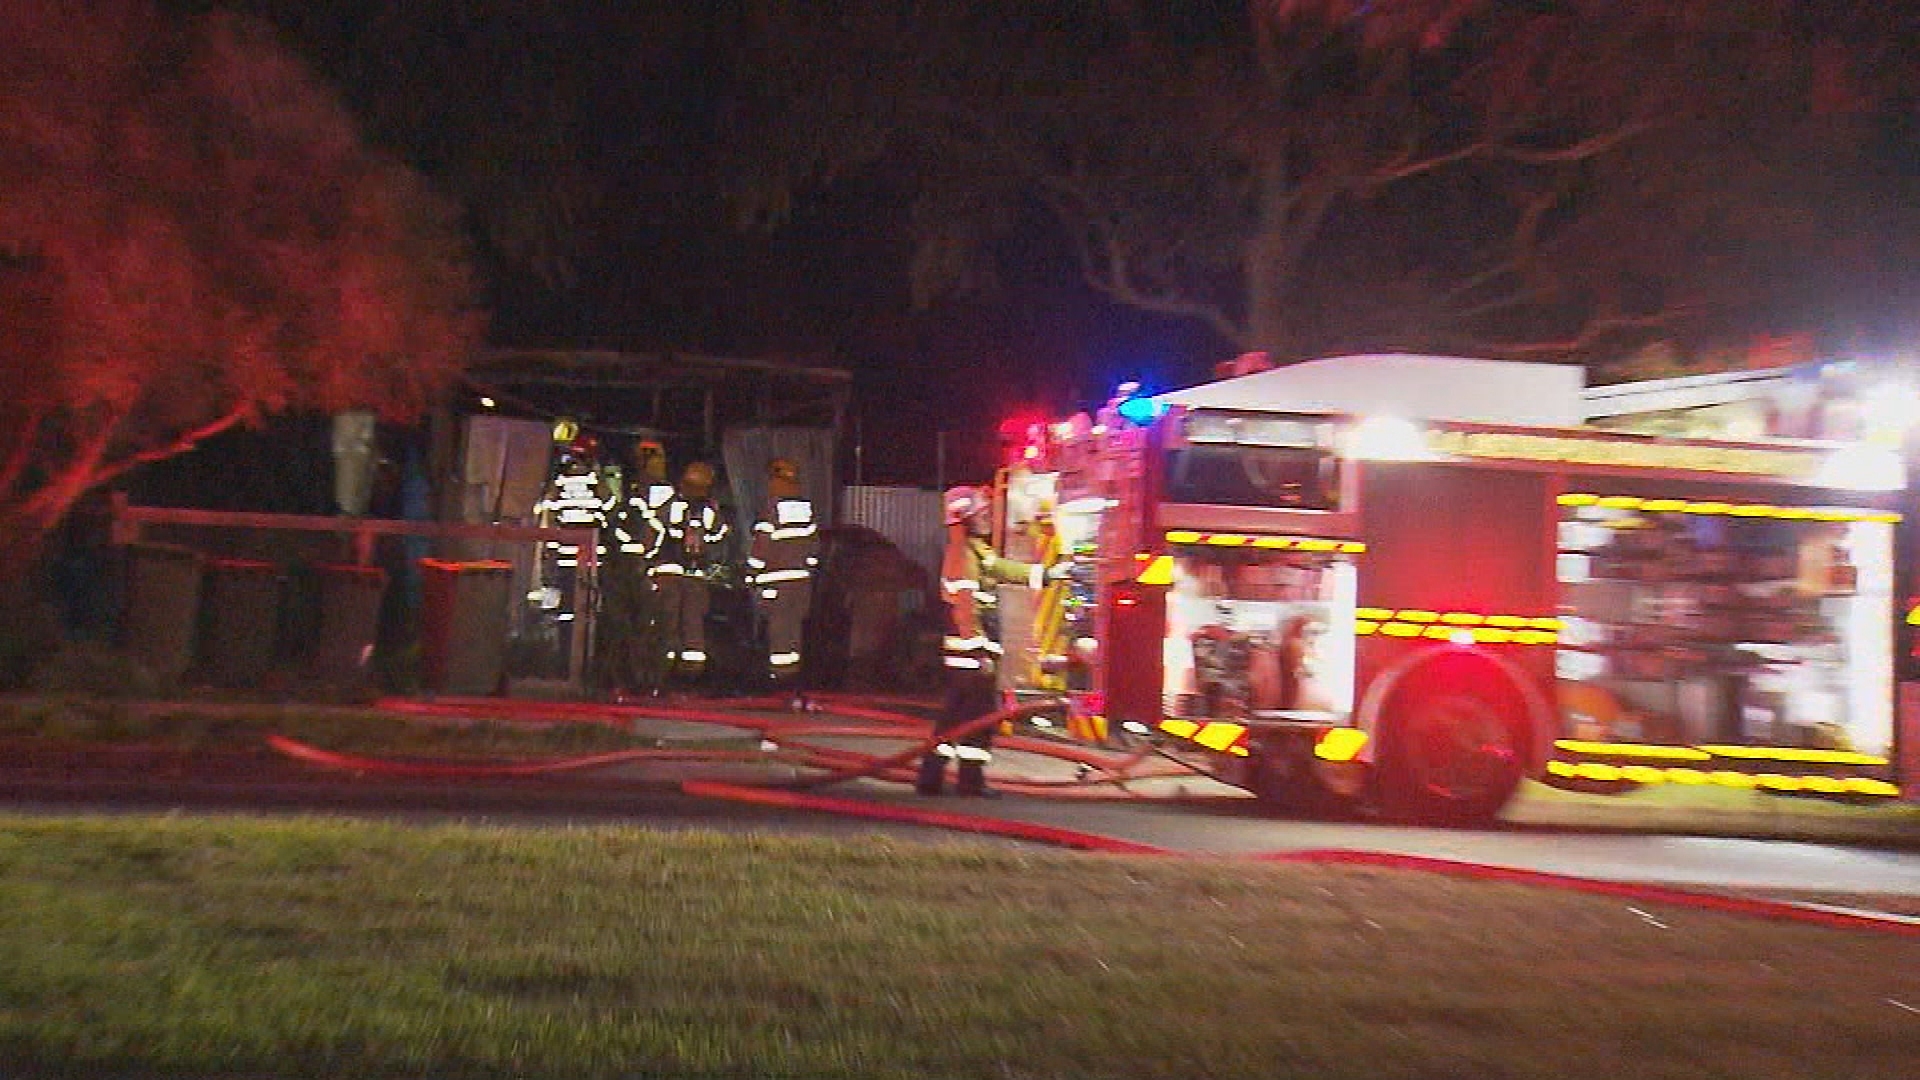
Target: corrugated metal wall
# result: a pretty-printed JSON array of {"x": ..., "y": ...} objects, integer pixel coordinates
[{"x": 910, "y": 517}]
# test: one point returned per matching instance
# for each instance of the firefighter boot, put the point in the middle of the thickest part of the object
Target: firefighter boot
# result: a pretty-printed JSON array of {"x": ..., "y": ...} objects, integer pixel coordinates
[
  {"x": 933, "y": 775},
  {"x": 973, "y": 781}
]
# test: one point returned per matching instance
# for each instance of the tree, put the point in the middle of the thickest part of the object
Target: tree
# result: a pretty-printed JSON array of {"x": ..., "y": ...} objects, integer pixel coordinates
[
  {"x": 571, "y": 131},
  {"x": 192, "y": 237},
  {"x": 1505, "y": 177}
]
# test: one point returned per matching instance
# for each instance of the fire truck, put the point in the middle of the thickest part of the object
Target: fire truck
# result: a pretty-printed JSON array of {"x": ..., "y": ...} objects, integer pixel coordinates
[{"x": 1420, "y": 580}]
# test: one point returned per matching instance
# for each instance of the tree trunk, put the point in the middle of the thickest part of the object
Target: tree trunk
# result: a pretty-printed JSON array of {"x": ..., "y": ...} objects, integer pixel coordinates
[
  {"x": 21, "y": 544},
  {"x": 1270, "y": 262}
]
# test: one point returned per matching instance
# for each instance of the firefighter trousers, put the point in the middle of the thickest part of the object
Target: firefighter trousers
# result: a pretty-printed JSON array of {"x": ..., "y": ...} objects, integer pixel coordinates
[
  {"x": 626, "y": 654},
  {"x": 970, "y": 696},
  {"x": 785, "y": 615},
  {"x": 683, "y": 621}
]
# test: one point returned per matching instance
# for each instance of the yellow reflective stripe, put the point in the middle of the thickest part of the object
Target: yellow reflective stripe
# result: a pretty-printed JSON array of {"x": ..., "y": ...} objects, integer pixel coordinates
[
  {"x": 1159, "y": 571},
  {"x": 1340, "y": 744},
  {"x": 1219, "y": 736},
  {"x": 1639, "y": 750},
  {"x": 1677, "y": 774},
  {"x": 1181, "y": 728},
  {"x": 1460, "y": 627},
  {"x": 1270, "y": 543},
  {"x": 1789, "y": 753},
  {"x": 1716, "y": 507}
]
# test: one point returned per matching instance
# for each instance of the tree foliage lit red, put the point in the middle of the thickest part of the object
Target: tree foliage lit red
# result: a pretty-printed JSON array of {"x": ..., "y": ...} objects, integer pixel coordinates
[{"x": 192, "y": 237}]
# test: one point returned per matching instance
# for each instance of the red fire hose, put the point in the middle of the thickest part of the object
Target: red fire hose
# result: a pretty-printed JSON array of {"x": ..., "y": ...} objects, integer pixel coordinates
[{"x": 784, "y": 736}]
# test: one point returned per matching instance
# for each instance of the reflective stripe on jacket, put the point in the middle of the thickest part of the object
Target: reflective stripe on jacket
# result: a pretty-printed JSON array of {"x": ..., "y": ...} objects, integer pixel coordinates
[
  {"x": 786, "y": 544},
  {"x": 690, "y": 530},
  {"x": 968, "y": 575}
]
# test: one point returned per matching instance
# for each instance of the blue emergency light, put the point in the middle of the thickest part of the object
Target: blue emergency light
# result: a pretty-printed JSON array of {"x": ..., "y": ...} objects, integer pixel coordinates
[{"x": 1141, "y": 410}]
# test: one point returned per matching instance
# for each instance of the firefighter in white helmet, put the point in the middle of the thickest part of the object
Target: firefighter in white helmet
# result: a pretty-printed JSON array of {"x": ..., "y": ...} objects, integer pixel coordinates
[
  {"x": 576, "y": 499},
  {"x": 692, "y": 531},
  {"x": 628, "y": 662},
  {"x": 780, "y": 565},
  {"x": 970, "y": 651}
]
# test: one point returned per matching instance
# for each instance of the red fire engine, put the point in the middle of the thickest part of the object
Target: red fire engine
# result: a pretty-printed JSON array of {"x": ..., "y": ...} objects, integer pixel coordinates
[{"x": 1431, "y": 603}]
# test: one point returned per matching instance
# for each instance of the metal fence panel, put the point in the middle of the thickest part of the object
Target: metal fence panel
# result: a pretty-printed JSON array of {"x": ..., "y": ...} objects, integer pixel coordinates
[{"x": 909, "y": 517}]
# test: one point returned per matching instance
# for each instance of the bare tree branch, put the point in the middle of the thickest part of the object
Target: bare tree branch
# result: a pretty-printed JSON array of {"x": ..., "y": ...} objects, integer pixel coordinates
[
  {"x": 1105, "y": 268},
  {"x": 1593, "y": 332},
  {"x": 239, "y": 414}
]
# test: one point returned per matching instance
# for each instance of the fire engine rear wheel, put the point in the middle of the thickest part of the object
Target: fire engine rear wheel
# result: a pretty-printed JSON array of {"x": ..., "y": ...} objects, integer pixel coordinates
[{"x": 1454, "y": 747}]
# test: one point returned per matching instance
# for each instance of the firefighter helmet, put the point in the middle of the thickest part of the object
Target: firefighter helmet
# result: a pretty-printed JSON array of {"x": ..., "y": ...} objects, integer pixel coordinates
[
  {"x": 964, "y": 503},
  {"x": 697, "y": 478},
  {"x": 783, "y": 479},
  {"x": 650, "y": 459},
  {"x": 582, "y": 449}
]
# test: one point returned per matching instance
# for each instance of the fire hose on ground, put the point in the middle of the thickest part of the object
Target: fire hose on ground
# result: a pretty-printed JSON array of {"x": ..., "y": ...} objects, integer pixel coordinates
[{"x": 784, "y": 740}]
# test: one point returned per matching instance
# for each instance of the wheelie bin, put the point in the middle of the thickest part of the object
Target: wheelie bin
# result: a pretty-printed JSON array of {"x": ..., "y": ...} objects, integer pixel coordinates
[
  {"x": 162, "y": 607},
  {"x": 464, "y": 615}
]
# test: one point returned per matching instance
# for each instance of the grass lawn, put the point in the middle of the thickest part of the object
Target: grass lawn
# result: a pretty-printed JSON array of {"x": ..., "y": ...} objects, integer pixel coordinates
[{"x": 181, "y": 946}]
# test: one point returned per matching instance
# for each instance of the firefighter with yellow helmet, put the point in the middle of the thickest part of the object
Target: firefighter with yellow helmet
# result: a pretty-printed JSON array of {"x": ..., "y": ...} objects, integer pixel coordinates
[
  {"x": 691, "y": 532},
  {"x": 780, "y": 565},
  {"x": 971, "y": 651}
]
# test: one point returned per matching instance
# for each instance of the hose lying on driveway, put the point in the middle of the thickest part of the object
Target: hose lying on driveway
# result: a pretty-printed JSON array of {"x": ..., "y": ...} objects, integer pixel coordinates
[
  {"x": 787, "y": 738},
  {"x": 785, "y": 741}
]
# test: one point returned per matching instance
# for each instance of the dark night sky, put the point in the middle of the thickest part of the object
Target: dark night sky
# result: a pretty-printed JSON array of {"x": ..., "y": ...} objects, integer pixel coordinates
[
  {"x": 636, "y": 84},
  {"x": 661, "y": 269}
]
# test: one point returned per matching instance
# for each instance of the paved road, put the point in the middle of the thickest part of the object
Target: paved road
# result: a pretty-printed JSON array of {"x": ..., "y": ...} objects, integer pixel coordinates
[
  {"x": 1232, "y": 827},
  {"x": 1208, "y": 821}
]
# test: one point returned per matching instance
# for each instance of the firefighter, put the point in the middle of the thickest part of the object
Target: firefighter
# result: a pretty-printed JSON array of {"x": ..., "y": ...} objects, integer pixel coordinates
[
  {"x": 691, "y": 531},
  {"x": 576, "y": 499},
  {"x": 628, "y": 660},
  {"x": 650, "y": 485},
  {"x": 970, "y": 651},
  {"x": 780, "y": 565}
]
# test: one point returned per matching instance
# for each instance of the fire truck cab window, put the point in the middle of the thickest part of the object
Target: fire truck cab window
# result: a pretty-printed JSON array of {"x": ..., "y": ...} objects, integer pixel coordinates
[{"x": 1237, "y": 475}]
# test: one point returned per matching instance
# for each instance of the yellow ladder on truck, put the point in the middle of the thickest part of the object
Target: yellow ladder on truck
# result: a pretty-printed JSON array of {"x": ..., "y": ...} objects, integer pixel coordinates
[{"x": 1049, "y": 623}]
